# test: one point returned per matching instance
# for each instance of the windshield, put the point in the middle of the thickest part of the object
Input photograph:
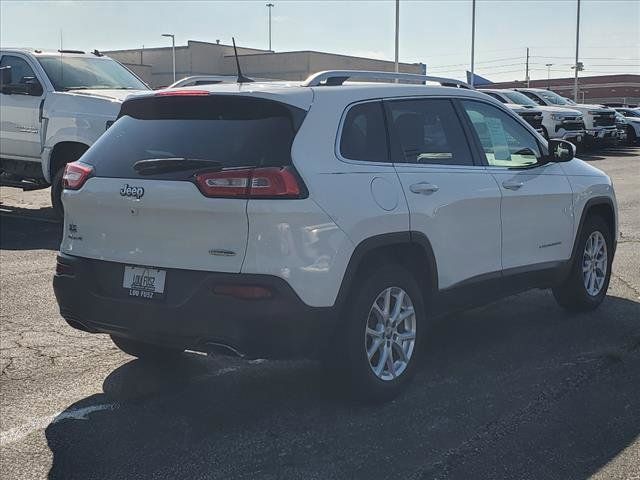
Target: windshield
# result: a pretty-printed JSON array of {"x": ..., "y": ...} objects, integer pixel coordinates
[
  {"x": 631, "y": 113},
  {"x": 84, "y": 73},
  {"x": 519, "y": 98},
  {"x": 553, "y": 98}
]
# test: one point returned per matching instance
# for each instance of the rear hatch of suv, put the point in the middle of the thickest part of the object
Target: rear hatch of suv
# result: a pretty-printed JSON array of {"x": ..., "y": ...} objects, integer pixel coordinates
[{"x": 167, "y": 185}]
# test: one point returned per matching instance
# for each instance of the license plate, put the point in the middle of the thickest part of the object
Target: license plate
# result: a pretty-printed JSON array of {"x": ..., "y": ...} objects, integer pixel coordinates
[{"x": 144, "y": 282}]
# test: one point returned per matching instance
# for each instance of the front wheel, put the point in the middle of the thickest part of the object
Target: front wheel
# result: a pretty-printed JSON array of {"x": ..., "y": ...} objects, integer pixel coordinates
[
  {"x": 146, "y": 351},
  {"x": 588, "y": 281},
  {"x": 380, "y": 338},
  {"x": 56, "y": 193}
]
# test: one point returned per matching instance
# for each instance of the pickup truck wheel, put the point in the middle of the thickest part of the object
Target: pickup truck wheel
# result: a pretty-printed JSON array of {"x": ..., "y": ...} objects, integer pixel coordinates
[
  {"x": 588, "y": 281},
  {"x": 379, "y": 340},
  {"x": 56, "y": 194},
  {"x": 146, "y": 351}
]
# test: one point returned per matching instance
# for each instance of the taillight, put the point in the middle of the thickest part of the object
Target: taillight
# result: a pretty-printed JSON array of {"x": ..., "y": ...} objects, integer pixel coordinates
[
  {"x": 75, "y": 175},
  {"x": 267, "y": 182}
]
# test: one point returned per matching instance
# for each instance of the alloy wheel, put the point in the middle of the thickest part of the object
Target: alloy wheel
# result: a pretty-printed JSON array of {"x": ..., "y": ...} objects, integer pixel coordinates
[
  {"x": 594, "y": 263},
  {"x": 390, "y": 335}
]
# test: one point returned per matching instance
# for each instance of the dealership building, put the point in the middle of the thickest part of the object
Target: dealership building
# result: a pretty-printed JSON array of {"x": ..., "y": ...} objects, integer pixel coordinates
[
  {"x": 621, "y": 89},
  {"x": 155, "y": 65}
]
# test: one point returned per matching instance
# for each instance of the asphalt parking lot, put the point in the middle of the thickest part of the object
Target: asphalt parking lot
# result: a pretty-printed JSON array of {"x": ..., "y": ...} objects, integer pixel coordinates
[{"x": 517, "y": 389}]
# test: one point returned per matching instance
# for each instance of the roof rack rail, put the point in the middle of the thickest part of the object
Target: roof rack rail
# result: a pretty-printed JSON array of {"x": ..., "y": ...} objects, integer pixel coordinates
[{"x": 338, "y": 77}]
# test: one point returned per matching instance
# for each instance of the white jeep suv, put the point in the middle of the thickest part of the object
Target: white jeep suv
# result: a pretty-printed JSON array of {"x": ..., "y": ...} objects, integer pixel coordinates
[{"x": 322, "y": 219}]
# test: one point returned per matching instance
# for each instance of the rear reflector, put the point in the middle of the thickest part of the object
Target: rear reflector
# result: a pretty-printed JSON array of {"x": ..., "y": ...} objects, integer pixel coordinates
[
  {"x": 248, "y": 292},
  {"x": 182, "y": 93},
  {"x": 75, "y": 175},
  {"x": 267, "y": 182},
  {"x": 64, "y": 269}
]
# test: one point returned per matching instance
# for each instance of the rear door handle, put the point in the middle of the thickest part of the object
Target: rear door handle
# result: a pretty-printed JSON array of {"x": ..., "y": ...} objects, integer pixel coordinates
[
  {"x": 512, "y": 184},
  {"x": 424, "y": 188}
]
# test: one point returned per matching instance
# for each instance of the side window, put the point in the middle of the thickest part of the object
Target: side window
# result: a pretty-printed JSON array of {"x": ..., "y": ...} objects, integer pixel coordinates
[
  {"x": 506, "y": 143},
  {"x": 496, "y": 96},
  {"x": 364, "y": 136},
  {"x": 22, "y": 75},
  {"x": 427, "y": 131},
  {"x": 535, "y": 98}
]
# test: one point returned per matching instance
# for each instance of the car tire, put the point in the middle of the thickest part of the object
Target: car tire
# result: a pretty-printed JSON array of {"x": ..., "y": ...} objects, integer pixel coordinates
[
  {"x": 382, "y": 296},
  {"x": 586, "y": 285},
  {"x": 146, "y": 351},
  {"x": 56, "y": 194},
  {"x": 631, "y": 136}
]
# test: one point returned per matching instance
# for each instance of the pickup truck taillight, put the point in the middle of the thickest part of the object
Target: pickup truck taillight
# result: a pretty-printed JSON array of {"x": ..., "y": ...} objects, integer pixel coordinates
[
  {"x": 266, "y": 182},
  {"x": 75, "y": 175}
]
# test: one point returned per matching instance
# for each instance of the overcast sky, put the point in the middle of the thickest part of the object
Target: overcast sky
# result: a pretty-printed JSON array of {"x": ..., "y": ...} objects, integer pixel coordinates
[{"x": 437, "y": 33}]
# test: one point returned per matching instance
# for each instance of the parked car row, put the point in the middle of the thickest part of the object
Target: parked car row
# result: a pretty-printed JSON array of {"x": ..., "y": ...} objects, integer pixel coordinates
[
  {"x": 581, "y": 124},
  {"x": 55, "y": 105}
]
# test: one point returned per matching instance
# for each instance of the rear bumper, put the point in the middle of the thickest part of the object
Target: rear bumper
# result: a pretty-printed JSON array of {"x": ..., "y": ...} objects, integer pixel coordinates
[{"x": 192, "y": 316}]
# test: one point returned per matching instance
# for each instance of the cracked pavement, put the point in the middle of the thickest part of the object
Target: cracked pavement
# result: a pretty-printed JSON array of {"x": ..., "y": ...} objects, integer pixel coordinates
[{"x": 516, "y": 389}]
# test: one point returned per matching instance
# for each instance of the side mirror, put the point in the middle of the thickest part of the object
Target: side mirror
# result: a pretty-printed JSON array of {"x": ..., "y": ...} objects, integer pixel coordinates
[
  {"x": 5, "y": 78},
  {"x": 561, "y": 151}
]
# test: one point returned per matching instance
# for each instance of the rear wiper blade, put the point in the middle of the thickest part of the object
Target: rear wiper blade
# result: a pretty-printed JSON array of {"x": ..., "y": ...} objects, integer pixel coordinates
[{"x": 154, "y": 166}]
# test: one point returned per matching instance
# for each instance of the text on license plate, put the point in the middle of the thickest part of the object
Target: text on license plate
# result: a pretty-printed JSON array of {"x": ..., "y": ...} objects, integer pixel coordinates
[{"x": 144, "y": 282}]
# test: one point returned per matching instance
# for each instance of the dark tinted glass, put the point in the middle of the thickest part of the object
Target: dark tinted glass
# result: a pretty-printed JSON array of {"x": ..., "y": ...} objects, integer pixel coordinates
[
  {"x": 428, "y": 131},
  {"x": 20, "y": 69},
  {"x": 496, "y": 96},
  {"x": 237, "y": 132},
  {"x": 364, "y": 136}
]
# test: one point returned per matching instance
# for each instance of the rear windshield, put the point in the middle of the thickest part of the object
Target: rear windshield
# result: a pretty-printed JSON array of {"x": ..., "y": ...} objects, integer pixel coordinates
[{"x": 233, "y": 131}]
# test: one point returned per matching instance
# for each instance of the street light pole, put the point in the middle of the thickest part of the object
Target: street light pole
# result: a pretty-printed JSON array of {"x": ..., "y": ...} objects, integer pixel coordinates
[
  {"x": 173, "y": 52},
  {"x": 397, "y": 67},
  {"x": 575, "y": 78},
  {"x": 270, "y": 6},
  {"x": 549, "y": 65},
  {"x": 473, "y": 38}
]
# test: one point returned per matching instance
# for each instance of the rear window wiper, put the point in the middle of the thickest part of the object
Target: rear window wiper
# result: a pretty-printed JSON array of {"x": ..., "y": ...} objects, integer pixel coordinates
[{"x": 155, "y": 166}]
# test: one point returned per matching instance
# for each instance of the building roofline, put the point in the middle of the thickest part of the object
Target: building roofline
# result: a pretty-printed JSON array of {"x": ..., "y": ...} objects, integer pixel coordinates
[{"x": 267, "y": 52}]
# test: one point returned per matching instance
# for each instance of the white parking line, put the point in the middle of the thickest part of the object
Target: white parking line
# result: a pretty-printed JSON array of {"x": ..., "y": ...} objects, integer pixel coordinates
[{"x": 18, "y": 433}]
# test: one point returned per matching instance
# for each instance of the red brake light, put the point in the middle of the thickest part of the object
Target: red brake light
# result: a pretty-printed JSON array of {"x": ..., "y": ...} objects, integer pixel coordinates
[
  {"x": 267, "y": 182},
  {"x": 75, "y": 175},
  {"x": 181, "y": 93}
]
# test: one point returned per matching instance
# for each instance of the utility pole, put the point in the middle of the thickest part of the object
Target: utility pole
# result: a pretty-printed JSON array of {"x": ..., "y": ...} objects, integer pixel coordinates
[
  {"x": 397, "y": 66},
  {"x": 576, "y": 66},
  {"x": 270, "y": 6},
  {"x": 526, "y": 75},
  {"x": 548, "y": 65},
  {"x": 173, "y": 52},
  {"x": 473, "y": 37}
]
